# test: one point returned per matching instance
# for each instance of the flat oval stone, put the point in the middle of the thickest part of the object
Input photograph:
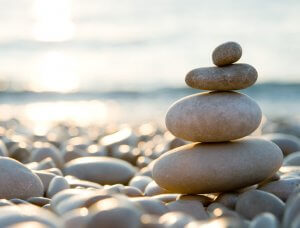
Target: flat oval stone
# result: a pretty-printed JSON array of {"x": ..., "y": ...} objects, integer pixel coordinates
[
  {"x": 291, "y": 211},
  {"x": 175, "y": 219},
  {"x": 255, "y": 202},
  {"x": 85, "y": 198},
  {"x": 219, "y": 210},
  {"x": 282, "y": 188},
  {"x": 21, "y": 152},
  {"x": 102, "y": 170},
  {"x": 17, "y": 181},
  {"x": 287, "y": 143},
  {"x": 232, "y": 77},
  {"x": 264, "y": 220},
  {"x": 75, "y": 182},
  {"x": 11, "y": 215},
  {"x": 153, "y": 189},
  {"x": 47, "y": 150},
  {"x": 228, "y": 199},
  {"x": 227, "y": 53},
  {"x": 56, "y": 185},
  {"x": 213, "y": 117},
  {"x": 72, "y": 203},
  {"x": 123, "y": 136},
  {"x": 217, "y": 167},
  {"x": 292, "y": 159},
  {"x": 64, "y": 195},
  {"x": 76, "y": 218},
  {"x": 140, "y": 182},
  {"x": 132, "y": 191},
  {"x": 114, "y": 213},
  {"x": 151, "y": 206},
  {"x": 192, "y": 208}
]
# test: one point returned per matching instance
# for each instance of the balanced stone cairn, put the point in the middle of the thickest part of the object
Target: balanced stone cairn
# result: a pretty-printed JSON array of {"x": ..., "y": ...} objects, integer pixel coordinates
[{"x": 219, "y": 160}]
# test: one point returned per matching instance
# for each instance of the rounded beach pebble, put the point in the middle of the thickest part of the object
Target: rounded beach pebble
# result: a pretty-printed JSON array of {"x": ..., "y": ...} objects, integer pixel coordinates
[
  {"x": 287, "y": 143},
  {"x": 114, "y": 213},
  {"x": 213, "y": 117},
  {"x": 227, "y": 53},
  {"x": 56, "y": 185},
  {"x": 264, "y": 220},
  {"x": 282, "y": 188},
  {"x": 175, "y": 219},
  {"x": 193, "y": 208},
  {"x": 45, "y": 151},
  {"x": 292, "y": 159},
  {"x": 255, "y": 202},
  {"x": 232, "y": 77},
  {"x": 291, "y": 211},
  {"x": 217, "y": 167},
  {"x": 13, "y": 215},
  {"x": 17, "y": 181},
  {"x": 102, "y": 170}
]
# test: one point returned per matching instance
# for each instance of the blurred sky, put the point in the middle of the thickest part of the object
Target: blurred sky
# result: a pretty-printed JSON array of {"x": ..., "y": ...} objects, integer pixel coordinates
[{"x": 67, "y": 45}]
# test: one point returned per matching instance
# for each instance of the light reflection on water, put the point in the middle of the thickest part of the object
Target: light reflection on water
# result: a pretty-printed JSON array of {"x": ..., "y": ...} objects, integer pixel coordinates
[{"x": 41, "y": 115}]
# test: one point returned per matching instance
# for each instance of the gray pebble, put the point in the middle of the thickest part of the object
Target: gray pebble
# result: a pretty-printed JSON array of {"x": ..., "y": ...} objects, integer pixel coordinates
[{"x": 227, "y": 53}]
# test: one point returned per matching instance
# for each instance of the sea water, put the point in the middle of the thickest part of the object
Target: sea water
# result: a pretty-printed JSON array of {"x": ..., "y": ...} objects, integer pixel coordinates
[{"x": 127, "y": 59}]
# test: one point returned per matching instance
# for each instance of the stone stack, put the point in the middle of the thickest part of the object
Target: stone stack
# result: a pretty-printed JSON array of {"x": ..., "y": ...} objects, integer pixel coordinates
[{"x": 218, "y": 160}]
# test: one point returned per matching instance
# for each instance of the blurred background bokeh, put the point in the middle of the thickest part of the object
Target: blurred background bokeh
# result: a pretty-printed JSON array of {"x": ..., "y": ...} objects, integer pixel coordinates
[{"x": 99, "y": 61}]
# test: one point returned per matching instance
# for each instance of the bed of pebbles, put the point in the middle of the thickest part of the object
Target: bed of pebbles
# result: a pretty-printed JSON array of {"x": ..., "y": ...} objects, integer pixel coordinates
[{"x": 103, "y": 176}]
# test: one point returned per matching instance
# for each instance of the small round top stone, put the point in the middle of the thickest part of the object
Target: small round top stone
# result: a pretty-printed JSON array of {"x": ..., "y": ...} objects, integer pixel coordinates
[{"x": 227, "y": 53}]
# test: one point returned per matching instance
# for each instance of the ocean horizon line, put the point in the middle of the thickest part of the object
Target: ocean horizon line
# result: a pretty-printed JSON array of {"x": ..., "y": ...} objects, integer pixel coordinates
[
  {"x": 143, "y": 90},
  {"x": 266, "y": 89}
]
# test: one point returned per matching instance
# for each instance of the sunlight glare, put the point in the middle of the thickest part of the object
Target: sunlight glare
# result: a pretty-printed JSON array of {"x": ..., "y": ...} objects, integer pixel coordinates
[
  {"x": 55, "y": 72},
  {"x": 43, "y": 115},
  {"x": 53, "y": 20}
]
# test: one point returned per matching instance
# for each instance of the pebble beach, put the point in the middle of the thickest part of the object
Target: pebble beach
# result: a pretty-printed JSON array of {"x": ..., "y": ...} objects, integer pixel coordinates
[{"x": 215, "y": 161}]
